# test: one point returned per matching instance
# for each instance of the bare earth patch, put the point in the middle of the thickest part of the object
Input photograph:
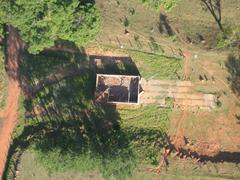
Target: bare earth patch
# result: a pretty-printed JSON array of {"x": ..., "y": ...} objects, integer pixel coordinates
[
  {"x": 209, "y": 133},
  {"x": 9, "y": 114}
]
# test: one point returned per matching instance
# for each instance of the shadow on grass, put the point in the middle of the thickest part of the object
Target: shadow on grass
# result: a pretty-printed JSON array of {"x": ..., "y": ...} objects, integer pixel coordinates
[
  {"x": 123, "y": 65},
  {"x": 93, "y": 141},
  {"x": 164, "y": 26},
  {"x": 63, "y": 126},
  {"x": 233, "y": 67}
]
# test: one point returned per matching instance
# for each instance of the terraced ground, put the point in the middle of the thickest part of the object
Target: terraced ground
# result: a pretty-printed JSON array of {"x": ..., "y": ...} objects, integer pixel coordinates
[{"x": 157, "y": 91}]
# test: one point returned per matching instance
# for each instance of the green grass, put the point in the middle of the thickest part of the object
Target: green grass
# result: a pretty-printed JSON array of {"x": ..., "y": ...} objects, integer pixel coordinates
[
  {"x": 183, "y": 169},
  {"x": 156, "y": 4},
  {"x": 146, "y": 128},
  {"x": 74, "y": 134},
  {"x": 61, "y": 148},
  {"x": 3, "y": 80},
  {"x": 153, "y": 66},
  {"x": 147, "y": 116},
  {"x": 207, "y": 90}
]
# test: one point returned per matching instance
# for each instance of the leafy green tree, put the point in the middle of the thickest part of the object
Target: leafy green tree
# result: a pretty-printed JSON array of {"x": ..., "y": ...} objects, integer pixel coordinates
[{"x": 42, "y": 22}]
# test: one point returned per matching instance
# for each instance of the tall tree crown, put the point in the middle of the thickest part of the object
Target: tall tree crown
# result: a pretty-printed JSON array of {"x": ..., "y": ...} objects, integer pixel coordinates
[{"x": 41, "y": 22}]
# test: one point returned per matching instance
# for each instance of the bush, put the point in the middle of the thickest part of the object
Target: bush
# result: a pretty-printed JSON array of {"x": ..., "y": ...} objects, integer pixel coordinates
[{"x": 229, "y": 37}]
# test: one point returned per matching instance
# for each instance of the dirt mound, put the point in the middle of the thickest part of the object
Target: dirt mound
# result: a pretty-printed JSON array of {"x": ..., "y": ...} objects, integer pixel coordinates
[{"x": 182, "y": 144}]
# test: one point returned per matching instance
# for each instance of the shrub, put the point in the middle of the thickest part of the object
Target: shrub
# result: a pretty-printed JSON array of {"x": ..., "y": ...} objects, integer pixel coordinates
[{"x": 229, "y": 37}]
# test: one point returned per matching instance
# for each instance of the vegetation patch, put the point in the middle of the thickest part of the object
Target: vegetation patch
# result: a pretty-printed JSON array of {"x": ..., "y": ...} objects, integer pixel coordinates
[
  {"x": 229, "y": 38},
  {"x": 146, "y": 128},
  {"x": 76, "y": 21},
  {"x": 3, "y": 79},
  {"x": 156, "y": 4},
  {"x": 153, "y": 66},
  {"x": 68, "y": 132}
]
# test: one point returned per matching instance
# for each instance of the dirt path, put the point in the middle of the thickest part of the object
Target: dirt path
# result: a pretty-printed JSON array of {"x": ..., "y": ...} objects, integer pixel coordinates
[{"x": 10, "y": 113}]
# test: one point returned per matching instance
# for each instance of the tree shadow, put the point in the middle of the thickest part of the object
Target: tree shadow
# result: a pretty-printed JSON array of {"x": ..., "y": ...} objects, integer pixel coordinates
[
  {"x": 164, "y": 26},
  {"x": 49, "y": 67},
  {"x": 93, "y": 139},
  {"x": 61, "y": 116},
  {"x": 233, "y": 67},
  {"x": 154, "y": 46},
  {"x": 113, "y": 65}
]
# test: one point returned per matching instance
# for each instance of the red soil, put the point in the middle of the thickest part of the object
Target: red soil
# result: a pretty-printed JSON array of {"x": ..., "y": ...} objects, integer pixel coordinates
[{"x": 10, "y": 112}]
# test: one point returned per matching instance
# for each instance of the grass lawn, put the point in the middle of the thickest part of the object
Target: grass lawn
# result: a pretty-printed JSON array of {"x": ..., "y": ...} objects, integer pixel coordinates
[{"x": 3, "y": 80}]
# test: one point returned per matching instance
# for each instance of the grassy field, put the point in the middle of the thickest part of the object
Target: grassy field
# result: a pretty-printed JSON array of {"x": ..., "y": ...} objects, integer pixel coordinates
[
  {"x": 3, "y": 80},
  {"x": 178, "y": 169},
  {"x": 193, "y": 20},
  {"x": 142, "y": 24},
  {"x": 133, "y": 144},
  {"x": 65, "y": 131}
]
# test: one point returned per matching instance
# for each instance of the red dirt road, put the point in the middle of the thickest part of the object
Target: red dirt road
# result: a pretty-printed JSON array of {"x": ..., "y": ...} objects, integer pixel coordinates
[{"x": 10, "y": 112}]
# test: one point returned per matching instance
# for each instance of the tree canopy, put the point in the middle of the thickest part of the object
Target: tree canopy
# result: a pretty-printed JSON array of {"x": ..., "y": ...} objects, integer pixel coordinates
[{"x": 41, "y": 22}]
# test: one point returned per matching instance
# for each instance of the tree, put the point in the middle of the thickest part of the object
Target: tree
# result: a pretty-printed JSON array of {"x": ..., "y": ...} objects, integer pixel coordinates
[
  {"x": 41, "y": 23},
  {"x": 214, "y": 6}
]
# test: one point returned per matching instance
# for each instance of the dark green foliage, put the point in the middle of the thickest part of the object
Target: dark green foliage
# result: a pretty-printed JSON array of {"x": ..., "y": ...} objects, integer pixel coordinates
[
  {"x": 42, "y": 22},
  {"x": 125, "y": 22}
]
